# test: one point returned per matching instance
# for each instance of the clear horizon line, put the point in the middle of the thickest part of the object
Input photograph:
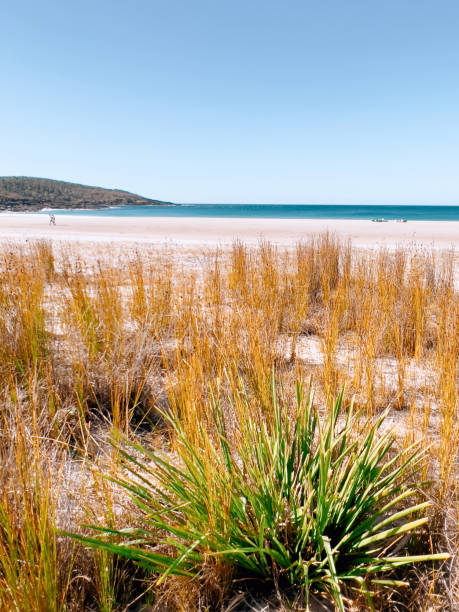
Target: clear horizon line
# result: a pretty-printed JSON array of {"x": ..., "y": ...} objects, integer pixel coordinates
[{"x": 309, "y": 204}]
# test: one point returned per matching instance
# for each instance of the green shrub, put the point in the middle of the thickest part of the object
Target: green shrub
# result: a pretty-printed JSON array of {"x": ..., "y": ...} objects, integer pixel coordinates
[{"x": 312, "y": 505}]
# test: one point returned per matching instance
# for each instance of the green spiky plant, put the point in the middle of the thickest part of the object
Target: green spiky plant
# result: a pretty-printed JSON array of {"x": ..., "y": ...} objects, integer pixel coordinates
[{"x": 314, "y": 505}]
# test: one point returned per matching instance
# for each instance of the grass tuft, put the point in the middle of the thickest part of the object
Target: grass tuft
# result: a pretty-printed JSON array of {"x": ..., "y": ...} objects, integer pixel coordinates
[{"x": 303, "y": 504}]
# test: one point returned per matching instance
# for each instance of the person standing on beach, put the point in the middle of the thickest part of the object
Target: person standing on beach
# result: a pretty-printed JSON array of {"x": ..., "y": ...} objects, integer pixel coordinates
[{"x": 52, "y": 220}]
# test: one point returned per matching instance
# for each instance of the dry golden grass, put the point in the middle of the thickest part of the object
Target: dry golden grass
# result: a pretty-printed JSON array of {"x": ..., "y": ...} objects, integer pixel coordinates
[{"x": 93, "y": 345}]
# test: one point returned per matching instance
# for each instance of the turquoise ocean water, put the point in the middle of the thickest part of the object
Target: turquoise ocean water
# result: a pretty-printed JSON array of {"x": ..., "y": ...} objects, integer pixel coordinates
[{"x": 279, "y": 211}]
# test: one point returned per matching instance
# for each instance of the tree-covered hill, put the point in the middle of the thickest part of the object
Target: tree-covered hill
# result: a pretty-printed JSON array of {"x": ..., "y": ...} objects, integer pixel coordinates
[{"x": 20, "y": 193}]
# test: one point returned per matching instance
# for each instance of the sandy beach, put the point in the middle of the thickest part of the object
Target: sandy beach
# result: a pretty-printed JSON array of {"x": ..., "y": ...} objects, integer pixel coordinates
[{"x": 222, "y": 231}]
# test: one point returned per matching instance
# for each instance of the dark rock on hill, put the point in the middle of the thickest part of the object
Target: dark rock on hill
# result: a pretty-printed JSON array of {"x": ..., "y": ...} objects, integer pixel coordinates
[{"x": 21, "y": 193}]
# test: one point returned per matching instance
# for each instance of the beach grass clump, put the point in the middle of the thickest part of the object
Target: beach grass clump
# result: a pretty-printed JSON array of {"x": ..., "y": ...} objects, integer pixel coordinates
[
  {"x": 311, "y": 505},
  {"x": 33, "y": 575}
]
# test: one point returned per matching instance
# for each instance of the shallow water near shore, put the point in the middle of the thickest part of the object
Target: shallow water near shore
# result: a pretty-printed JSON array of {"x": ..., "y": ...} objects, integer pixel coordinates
[{"x": 278, "y": 211}]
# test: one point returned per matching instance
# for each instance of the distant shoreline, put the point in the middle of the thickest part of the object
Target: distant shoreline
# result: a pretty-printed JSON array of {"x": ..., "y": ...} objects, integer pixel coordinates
[
  {"x": 336, "y": 212},
  {"x": 205, "y": 231}
]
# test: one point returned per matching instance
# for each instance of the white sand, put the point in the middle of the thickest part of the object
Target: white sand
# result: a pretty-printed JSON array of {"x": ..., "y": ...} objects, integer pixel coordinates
[{"x": 214, "y": 231}]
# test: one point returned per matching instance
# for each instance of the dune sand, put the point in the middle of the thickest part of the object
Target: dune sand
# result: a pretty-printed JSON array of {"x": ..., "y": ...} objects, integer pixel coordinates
[{"x": 219, "y": 231}]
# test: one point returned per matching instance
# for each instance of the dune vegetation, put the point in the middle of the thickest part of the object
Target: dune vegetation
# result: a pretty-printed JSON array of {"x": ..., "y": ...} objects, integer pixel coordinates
[{"x": 248, "y": 429}]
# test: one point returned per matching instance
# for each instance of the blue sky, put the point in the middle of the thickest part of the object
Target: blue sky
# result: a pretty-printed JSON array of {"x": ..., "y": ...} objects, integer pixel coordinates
[{"x": 325, "y": 101}]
